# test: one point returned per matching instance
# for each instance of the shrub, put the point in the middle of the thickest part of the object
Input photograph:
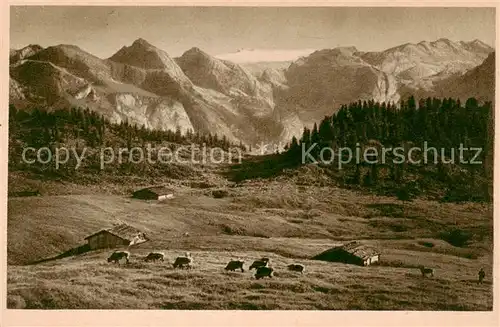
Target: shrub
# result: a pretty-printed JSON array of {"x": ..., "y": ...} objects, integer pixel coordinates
[
  {"x": 226, "y": 229},
  {"x": 426, "y": 244},
  {"x": 456, "y": 237},
  {"x": 398, "y": 228},
  {"x": 218, "y": 194}
]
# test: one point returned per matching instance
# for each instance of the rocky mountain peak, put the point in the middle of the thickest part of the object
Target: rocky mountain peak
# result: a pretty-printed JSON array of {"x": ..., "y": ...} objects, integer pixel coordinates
[
  {"x": 140, "y": 42},
  {"x": 142, "y": 54},
  {"x": 197, "y": 54}
]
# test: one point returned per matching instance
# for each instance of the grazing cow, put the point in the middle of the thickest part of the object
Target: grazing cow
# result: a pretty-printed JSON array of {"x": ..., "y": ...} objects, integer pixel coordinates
[
  {"x": 184, "y": 262},
  {"x": 481, "y": 275},
  {"x": 426, "y": 271},
  {"x": 263, "y": 262},
  {"x": 118, "y": 255},
  {"x": 155, "y": 256},
  {"x": 263, "y": 272},
  {"x": 235, "y": 264},
  {"x": 297, "y": 267}
]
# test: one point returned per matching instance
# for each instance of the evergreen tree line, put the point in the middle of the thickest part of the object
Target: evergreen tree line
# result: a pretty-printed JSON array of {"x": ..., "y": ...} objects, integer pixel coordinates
[
  {"x": 441, "y": 123},
  {"x": 40, "y": 128}
]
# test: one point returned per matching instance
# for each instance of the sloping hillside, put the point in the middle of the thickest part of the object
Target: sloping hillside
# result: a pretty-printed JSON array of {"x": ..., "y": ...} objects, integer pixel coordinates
[
  {"x": 89, "y": 282},
  {"x": 253, "y": 209}
]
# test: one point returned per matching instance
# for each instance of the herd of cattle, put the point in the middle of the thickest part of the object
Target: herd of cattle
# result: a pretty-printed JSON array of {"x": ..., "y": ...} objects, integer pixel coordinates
[{"x": 261, "y": 266}]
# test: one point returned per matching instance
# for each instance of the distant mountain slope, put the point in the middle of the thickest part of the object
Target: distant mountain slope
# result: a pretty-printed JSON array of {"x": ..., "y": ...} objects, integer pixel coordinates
[
  {"x": 144, "y": 85},
  {"x": 219, "y": 75},
  {"x": 478, "y": 82},
  {"x": 428, "y": 58},
  {"x": 65, "y": 75},
  {"x": 249, "y": 96},
  {"x": 262, "y": 97},
  {"x": 146, "y": 56},
  {"x": 319, "y": 83},
  {"x": 419, "y": 66},
  {"x": 75, "y": 61}
]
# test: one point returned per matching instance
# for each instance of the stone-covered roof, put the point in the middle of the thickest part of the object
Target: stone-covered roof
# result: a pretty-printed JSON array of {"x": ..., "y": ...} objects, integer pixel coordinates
[
  {"x": 123, "y": 231},
  {"x": 359, "y": 250},
  {"x": 159, "y": 190}
]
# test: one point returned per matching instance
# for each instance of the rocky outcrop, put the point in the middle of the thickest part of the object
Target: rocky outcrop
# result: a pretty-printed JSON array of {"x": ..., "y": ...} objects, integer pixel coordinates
[
  {"x": 160, "y": 113},
  {"x": 16, "y": 92},
  {"x": 16, "y": 56}
]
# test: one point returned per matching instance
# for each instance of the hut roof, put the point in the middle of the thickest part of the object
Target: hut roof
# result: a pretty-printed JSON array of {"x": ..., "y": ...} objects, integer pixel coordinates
[
  {"x": 123, "y": 231},
  {"x": 359, "y": 250},
  {"x": 160, "y": 190}
]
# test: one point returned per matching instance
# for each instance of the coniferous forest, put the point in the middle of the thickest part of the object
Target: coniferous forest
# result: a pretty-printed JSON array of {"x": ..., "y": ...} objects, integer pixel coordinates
[
  {"x": 79, "y": 128},
  {"x": 443, "y": 124}
]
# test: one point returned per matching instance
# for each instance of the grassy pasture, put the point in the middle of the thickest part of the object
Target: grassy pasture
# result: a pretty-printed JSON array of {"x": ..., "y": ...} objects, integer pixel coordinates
[{"x": 283, "y": 220}]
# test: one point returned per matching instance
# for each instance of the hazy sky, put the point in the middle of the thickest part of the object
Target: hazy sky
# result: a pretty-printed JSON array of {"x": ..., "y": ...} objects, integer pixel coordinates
[{"x": 104, "y": 30}]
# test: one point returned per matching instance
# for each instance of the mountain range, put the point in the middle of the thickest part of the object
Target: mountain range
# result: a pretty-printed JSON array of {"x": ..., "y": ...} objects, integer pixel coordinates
[{"x": 249, "y": 100}]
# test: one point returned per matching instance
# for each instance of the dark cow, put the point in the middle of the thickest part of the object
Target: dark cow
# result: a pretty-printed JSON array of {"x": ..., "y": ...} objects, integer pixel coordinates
[
  {"x": 262, "y": 262},
  {"x": 184, "y": 262},
  {"x": 297, "y": 267},
  {"x": 118, "y": 255},
  {"x": 235, "y": 264},
  {"x": 155, "y": 256},
  {"x": 263, "y": 272}
]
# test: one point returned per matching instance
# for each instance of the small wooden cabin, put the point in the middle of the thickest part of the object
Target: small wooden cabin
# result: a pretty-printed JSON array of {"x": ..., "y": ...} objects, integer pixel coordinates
[
  {"x": 352, "y": 252},
  {"x": 154, "y": 193},
  {"x": 120, "y": 235}
]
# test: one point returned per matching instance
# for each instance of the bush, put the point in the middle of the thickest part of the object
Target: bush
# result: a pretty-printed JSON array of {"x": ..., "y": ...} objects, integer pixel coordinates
[
  {"x": 398, "y": 228},
  {"x": 426, "y": 244},
  {"x": 457, "y": 237},
  {"x": 226, "y": 229},
  {"x": 218, "y": 194}
]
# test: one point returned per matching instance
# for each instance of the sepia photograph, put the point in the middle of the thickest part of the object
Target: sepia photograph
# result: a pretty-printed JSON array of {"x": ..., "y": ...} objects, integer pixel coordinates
[{"x": 250, "y": 158}]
